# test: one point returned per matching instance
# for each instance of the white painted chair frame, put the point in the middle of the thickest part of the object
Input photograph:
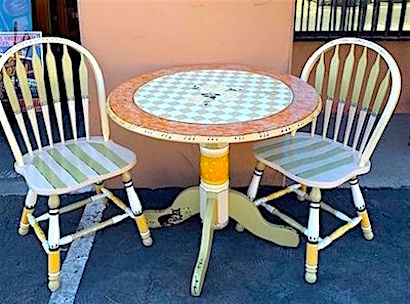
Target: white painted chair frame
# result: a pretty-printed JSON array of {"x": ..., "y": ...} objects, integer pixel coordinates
[
  {"x": 53, "y": 241},
  {"x": 370, "y": 138}
]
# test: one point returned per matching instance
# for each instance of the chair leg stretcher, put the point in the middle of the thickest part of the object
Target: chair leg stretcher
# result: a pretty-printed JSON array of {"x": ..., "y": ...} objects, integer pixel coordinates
[
  {"x": 297, "y": 188},
  {"x": 74, "y": 206},
  {"x": 38, "y": 232},
  {"x": 106, "y": 194},
  {"x": 92, "y": 229},
  {"x": 276, "y": 195},
  {"x": 339, "y": 232}
]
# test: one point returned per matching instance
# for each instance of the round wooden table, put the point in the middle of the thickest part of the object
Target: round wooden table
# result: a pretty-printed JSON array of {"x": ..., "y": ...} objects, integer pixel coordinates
[{"x": 214, "y": 106}]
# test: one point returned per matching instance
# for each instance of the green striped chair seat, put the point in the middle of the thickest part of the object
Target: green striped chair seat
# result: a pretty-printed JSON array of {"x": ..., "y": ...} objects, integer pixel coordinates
[
  {"x": 69, "y": 166},
  {"x": 311, "y": 160}
]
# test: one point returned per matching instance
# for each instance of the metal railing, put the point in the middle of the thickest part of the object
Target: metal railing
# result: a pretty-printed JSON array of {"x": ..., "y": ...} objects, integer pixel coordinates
[{"x": 371, "y": 19}]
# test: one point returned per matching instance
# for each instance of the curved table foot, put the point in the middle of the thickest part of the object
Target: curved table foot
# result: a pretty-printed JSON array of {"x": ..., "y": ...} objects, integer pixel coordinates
[
  {"x": 248, "y": 215},
  {"x": 201, "y": 267},
  {"x": 185, "y": 205}
]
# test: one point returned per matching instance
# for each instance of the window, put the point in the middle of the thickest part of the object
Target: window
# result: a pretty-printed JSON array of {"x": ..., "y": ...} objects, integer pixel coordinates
[{"x": 377, "y": 19}]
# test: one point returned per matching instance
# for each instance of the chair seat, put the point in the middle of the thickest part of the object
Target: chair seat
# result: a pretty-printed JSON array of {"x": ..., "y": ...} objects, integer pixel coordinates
[
  {"x": 69, "y": 166},
  {"x": 311, "y": 160}
]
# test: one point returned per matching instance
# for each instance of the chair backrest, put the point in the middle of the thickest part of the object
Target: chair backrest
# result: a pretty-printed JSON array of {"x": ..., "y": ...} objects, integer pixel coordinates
[
  {"x": 51, "y": 82},
  {"x": 345, "y": 78}
]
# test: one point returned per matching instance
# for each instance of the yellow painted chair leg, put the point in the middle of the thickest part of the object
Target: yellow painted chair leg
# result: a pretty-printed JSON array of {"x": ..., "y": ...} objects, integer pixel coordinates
[
  {"x": 366, "y": 226},
  {"x": 312, "y": 251},
  {"x": 136, "y": 208},
  {"x": 24, "y": 224},
  {"x": 304, "y": 189},
  {"x": 98, "y": 187},
  {"x": 312, "y": 255},
  {"x": 144, "y": 230},
  {"x": 360, "y": 206},
  {"x": 54, "y": 270},
  {"x": 28, "y": 209},
  {"x": 54, "y": 244}
]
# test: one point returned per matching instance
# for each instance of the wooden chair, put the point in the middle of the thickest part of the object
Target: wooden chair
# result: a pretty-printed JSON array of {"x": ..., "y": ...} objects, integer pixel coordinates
[
  {"x": 324, "y": 161},
  {"x": 54, "y": 167}
]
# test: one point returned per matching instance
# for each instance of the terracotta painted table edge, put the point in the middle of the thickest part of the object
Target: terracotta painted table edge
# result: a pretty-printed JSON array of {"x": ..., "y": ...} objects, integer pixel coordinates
[{"x": 123, "y": 111}]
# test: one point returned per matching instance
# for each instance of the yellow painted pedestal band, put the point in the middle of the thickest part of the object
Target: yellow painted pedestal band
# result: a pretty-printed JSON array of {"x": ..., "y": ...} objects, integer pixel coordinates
[
  {"x": 311, "y": 254},
  {"x": 214, "y": 165},
  {"x": 365, "y": 219}
]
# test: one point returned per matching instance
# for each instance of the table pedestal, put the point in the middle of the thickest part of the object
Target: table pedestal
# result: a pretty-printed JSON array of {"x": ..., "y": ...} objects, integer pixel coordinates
[{"x": 216, "y": 203}]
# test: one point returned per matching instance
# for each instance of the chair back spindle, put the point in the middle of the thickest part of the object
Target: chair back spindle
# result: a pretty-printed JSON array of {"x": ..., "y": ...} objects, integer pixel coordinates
[
  {"x": 370, "y": 122},
  {"x": 358, "y": 81},
  {"x": 51, "y": 78},
  {"x": 55, "y": 90},
  {"x": 333, "y": 72},
  {"x": 381, "y": 92},
  {"x": 320, "y": 72},
  {"x": 371, "y": 83},
  {"x": 69, "y": 88},
  {"x": 83, "y": 73},
  {"x": 42, "y": 95},
  {"x": 28, "y": 99},
  {"x": 344, "y": 87},
  {"x": 14, "y": 102}
]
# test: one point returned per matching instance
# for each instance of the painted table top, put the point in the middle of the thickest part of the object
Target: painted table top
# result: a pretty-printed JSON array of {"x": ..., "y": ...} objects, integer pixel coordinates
[
  {"x": 213, "y": 104},
  {"x": 213, "y": 96}
]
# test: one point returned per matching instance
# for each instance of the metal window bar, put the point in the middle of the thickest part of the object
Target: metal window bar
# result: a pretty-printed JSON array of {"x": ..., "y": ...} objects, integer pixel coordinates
[
  {"x": 301, "y": 19},
  {"x": 389, "y": 16},
  {"x": 343, "y": 16},
  {"x": 329, "y": 19},
  {"x": 331, "y": 14},
  {"x": 375, "y": 16},
  {"x": 308, "y": 15},
  {"x": 353, "y": 18},
  {"x": 321, "y": 17},
  {"x": 402, "y": 15},
  {"x": 317, "y": 17}
]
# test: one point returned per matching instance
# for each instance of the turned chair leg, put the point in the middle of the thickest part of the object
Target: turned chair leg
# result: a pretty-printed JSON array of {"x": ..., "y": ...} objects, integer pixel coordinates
[
  {"x": 256, "y": 179},
  {"x": 98, "y": 190},
  {"x": 304, "y": 189},
  {"x": 28, "y": 209},
  {"x": 312, "y": 252},
  {"x": 54, "y": 244},
  {"x": 98, "y": 186},
  {"x": 136, "y": 208},
  {"x": 360, "y": 206}
]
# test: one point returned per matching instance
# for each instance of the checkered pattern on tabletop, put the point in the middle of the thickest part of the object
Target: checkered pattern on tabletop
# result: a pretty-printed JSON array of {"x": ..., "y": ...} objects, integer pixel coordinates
[{"x": 213, "y": 96}]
